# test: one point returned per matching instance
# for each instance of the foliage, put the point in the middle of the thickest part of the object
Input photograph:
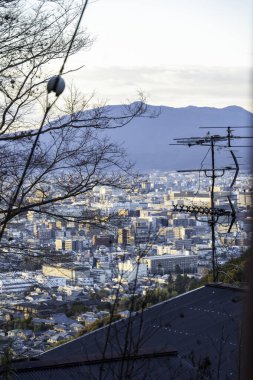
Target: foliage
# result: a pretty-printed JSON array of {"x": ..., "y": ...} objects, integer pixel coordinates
[
  {"x": 75, "y": 308},
  {"x": 102, "y": 322},
  {"x": 19, "y": 323},
  {"x": 6, "y": 361},
  {"x": 234, "y": 271},
  {"x": 178, "y": 270}
]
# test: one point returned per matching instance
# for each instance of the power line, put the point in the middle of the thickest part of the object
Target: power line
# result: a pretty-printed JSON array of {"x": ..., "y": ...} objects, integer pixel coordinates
[
  {"x": 73, "y": 37},
  {"x": 55, "y": 85}
]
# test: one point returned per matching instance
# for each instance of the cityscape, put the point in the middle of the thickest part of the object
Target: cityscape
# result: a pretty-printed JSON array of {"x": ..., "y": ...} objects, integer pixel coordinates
[
  {"x": 60, "y": 278},
  {"x": 126, "y": 190}
]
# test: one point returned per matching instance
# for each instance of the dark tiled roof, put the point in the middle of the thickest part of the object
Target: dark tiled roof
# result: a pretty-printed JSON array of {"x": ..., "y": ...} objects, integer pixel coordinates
[{"x": 202, "y": 327}]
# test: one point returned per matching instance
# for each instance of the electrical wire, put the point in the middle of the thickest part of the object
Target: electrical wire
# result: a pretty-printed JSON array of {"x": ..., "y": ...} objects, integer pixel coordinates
[
  {"x": 201, "y": 167},
  {"x": 73, "y": 37},
  {"x": 48, "y": 108}
]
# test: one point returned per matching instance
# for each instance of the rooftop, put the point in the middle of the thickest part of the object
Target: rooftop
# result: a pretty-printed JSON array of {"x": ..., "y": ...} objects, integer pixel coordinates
[{"x": 192, "y": 334}]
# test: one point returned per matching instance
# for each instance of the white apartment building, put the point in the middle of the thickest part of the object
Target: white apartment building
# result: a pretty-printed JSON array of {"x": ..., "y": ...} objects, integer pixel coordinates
[{"x": 169, "y": 263}]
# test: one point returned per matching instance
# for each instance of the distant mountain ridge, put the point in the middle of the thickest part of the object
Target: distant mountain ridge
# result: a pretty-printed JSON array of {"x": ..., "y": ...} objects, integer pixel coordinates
[{"x": 147, "y": 140}]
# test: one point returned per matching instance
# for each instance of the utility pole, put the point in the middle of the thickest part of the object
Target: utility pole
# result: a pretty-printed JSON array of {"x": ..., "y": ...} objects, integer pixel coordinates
[
  {"x": 213, "y": 213},
  {"x": 212, "y": 221}
]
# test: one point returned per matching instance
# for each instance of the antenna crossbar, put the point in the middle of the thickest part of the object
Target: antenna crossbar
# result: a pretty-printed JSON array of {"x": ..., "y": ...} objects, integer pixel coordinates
[{"x": 213, "y": 213}]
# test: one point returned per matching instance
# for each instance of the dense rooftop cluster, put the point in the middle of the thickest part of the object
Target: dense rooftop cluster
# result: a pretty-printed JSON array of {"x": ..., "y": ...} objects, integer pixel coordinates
[{"x": 83, "y": 271}]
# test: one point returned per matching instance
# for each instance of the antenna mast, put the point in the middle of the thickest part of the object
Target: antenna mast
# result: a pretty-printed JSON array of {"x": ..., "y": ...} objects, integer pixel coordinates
[{"x": 212, "y": 141}]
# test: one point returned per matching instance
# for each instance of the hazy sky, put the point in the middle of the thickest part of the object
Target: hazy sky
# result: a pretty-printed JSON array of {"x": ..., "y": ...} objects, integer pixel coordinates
[{"x": 179, "y": 52}]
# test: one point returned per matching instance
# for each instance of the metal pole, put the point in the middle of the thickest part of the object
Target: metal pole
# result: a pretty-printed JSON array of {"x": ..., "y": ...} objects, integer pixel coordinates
[{"x": 212, "y": 222}]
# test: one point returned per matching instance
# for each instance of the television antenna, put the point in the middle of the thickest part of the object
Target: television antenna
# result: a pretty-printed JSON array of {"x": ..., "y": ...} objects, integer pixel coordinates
[{"x": 213, "y": 213}]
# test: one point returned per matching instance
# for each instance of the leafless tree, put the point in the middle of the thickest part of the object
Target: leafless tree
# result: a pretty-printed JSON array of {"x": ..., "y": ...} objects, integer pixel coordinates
[{"x": 49, "y": 151}]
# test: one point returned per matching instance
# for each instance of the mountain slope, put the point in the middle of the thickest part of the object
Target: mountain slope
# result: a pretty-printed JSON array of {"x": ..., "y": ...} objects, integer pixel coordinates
[{"x": 147, "y": 140}]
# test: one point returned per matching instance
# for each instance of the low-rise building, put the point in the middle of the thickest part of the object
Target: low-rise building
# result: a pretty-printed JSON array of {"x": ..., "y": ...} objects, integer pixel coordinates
[{"x": 171, "y": 263}]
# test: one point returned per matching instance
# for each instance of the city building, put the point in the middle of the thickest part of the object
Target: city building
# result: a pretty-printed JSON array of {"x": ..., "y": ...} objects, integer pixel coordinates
[{"x": 171, "y": 264}]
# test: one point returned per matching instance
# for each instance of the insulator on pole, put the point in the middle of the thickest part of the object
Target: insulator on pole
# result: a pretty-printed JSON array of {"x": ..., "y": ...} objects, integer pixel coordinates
[{"x": 56, "y": 84}]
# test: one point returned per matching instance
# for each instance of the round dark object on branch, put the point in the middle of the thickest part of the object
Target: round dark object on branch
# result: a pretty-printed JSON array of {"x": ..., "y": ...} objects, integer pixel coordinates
[{"x": 56, "y": 84}]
